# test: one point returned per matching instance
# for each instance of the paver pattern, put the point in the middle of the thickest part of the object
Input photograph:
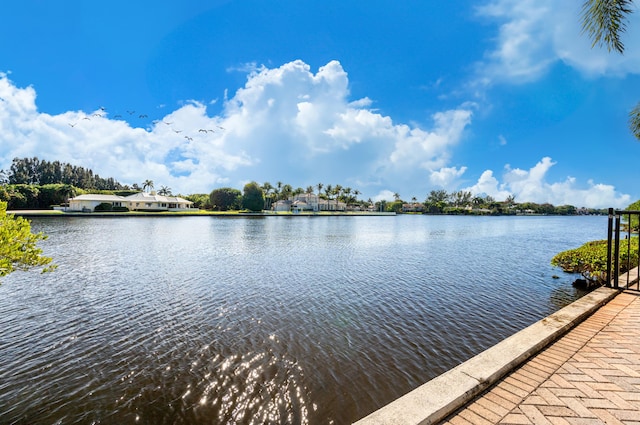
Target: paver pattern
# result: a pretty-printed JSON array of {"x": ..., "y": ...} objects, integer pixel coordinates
[{"x": 589, "y": 376}]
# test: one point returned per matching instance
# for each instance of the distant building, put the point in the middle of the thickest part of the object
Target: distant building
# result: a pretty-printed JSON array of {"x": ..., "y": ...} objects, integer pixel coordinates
[
  {"x": 141, "y": 201},
  {"x": 308, "y": 202},
  {"x": 412, "y": 207},
  {"x": 87, "y": 203}
]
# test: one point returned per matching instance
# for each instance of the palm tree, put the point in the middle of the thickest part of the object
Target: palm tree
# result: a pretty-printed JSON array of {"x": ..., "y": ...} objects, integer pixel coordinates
[
  {"x": 338, "y": 192},
  {"x": 164, "y": 191},
  {"x": 148, "y": 184},
  {"x": 605, "y": 21},
  {"x": 347, "y": 195},
  {"x": 67, "y": 191},
  {"x": 267, "y": 188},
  {"x": 287, "y": 191},
  {"x": 477, "y": 201},
  {"x": 511, "y": 200},
  {"x": 328, "y": 191}
]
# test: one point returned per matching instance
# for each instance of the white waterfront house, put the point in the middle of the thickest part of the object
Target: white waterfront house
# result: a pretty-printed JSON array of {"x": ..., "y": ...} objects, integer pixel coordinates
[
  {"x": 141, "y": 201},
  {"x": 87, "y": 203},
  {"x": 308, "y": 202}
]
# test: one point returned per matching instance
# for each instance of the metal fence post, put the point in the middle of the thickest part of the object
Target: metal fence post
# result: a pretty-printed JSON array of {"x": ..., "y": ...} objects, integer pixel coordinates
[
  {"x": 609, "y": 245},
  {"x": 616, "y": 254}
]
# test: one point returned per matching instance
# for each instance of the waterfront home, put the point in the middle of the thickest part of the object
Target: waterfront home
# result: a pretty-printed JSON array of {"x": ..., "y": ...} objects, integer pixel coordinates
[
  {"x": 299, "y": 206},
  {"x": 305, "y": 202},
  {"x": 331, "y": 205},
  {"x": 282, "y": 205},
  {"x": 308, "y": 202},
  {"x": 88, "y": 202},
  {"x": 412, "y": 207},
  {"x": 141, "y": 201}
]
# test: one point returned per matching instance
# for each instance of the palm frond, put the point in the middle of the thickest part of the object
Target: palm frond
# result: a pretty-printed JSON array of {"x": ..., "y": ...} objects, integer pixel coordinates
[
  {"x": 605, "y": 21},
  {"x": 634, "y": 121}
]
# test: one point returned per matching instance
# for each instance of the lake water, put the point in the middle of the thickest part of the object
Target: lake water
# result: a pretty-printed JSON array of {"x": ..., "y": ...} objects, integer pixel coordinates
[{"x": 285, "y": 320}]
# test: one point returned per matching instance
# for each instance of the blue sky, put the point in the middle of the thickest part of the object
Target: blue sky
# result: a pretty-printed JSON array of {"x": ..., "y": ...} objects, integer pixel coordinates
[{"x": 499, "y": 97}]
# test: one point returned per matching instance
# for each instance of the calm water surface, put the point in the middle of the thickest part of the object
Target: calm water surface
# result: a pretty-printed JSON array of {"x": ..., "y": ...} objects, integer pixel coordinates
[{"x": 189, "y": 320}]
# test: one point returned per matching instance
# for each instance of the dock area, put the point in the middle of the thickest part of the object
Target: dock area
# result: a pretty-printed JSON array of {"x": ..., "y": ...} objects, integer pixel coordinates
[{"x": 579, "y": 366}]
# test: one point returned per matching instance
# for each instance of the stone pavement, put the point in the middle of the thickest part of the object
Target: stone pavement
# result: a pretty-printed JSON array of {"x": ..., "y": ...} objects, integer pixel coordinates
[{"x": 591, "y": 375}]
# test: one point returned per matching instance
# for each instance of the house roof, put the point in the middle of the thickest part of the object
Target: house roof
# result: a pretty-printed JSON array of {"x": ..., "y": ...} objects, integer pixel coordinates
[
  {"x": 148, "y": 197},
  {"x": 306, "y": 196},
  {"x": 140, "y": 197},
  {"x": 98, "y": 197}
]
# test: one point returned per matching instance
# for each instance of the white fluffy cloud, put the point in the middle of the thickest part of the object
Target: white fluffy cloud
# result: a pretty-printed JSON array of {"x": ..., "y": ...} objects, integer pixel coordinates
[
  {"x": 446, "y": 177},
  {"x": 531, "y": 186},
  {"x": 286, "y": 124},
  {"x": 429, "y": 150},
  {"x": 534, "y": 34}
]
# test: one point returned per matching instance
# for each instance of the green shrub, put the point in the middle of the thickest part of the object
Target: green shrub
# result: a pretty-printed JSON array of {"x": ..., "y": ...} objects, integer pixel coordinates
[
  {"x": 590, "y": 260},
  {"x": 105, "y": 206}
]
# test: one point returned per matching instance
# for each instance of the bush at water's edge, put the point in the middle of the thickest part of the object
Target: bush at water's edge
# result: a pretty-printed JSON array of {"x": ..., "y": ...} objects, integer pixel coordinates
[{"x": 590, "y": 260}]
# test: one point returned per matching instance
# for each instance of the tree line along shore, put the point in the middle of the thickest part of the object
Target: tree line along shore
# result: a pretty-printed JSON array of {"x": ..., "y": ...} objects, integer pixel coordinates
[{"x": 33, "y": 184}]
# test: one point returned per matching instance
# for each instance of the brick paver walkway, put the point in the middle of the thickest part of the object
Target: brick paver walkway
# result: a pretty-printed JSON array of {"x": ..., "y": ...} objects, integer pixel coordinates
[{"x": 589, "y": 376}]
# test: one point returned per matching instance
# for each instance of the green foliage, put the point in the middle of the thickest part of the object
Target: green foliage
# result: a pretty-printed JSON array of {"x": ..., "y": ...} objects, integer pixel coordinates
[
  {"x": 23, "y": 196},
  {"x": 31, "y": 196},
  {"x": 436, "y": 201},
  {"x": 33, "y": 171},
  {"x": 605, "y": 21},
  {"x": 18, "y": 250},
  {"x": 253, "y": 197},
  {"x": 4, "y": 194},
  {"x": 565, "y": 210},
  {"x": 54, "y": 194},
  {"x": 456, "y": 211},
  {"x": 633, "y": 223},
  {"x": 395, "y": 206},
  {"x": 634, "y": 121},
  {"x": 225, "y": 199},
  {"x": 105, "y": 206},
  {"x": 590, "y": 259},
  {"x": 200, "y": 200}
]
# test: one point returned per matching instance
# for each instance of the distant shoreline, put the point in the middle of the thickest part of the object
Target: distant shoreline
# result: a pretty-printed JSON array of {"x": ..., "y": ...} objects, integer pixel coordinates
[
  {"x": 200, "y": 213},
  {"x": 206, "y": 213}
]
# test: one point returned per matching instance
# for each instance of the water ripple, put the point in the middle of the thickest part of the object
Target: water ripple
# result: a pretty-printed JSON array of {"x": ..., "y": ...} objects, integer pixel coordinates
[{"x": 268, "y": 320}]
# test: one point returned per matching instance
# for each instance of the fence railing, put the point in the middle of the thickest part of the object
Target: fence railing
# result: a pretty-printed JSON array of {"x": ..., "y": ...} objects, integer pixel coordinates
[{"x": 623, "y": 249}]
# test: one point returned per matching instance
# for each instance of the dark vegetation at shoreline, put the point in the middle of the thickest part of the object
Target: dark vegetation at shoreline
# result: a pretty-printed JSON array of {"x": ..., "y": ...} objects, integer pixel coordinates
[
  {"x": 33, "y": 184},
  {"x": 590, "y": 259}
]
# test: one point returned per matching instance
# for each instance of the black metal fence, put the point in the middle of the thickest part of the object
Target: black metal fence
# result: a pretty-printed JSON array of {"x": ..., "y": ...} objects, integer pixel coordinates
[{"x": 623, "y": 249}]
